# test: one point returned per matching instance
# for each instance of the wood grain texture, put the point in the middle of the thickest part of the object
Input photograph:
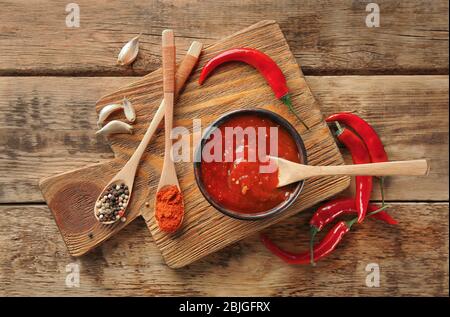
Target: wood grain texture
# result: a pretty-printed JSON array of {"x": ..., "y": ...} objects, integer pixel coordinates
[
  {"x": 47, "y": 126},
  {"x": 413, "y": 259},
  {"x": 325, "y": 36},
  {"x": 71, "y": 195}
]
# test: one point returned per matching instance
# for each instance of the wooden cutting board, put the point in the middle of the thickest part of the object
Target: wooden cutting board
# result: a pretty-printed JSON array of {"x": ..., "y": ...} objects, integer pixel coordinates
[{"x": 71, "y": 195}]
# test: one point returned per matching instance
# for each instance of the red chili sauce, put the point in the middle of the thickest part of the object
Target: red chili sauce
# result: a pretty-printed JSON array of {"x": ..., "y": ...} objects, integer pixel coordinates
[{"x": 237, "y": 184}]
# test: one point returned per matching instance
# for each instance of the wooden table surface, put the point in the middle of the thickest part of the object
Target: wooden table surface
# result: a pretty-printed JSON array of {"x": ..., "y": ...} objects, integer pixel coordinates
[{"x": 395, "y": 76}]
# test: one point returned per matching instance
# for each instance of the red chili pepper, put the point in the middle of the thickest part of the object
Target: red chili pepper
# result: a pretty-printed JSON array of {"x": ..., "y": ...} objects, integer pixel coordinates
[
  {"x": 382, "y": 216},
  {"x": 365, "y": 131},
  {"x": 342, "y": 207},
  {"x": 360, "y": 155},
  {"x": 321, "y": 250},
  {"x": 339, "y": 207},
  {"x": 263, "y": 63},
  {"x": 369, "y": 136},
  {"x": 333, "y": 237}
]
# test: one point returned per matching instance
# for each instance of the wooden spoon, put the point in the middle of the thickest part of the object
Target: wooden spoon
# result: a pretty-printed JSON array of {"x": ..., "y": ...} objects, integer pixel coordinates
[
  {"x": 168, "y": 174},
  {"x": 127, "y": 174},
  {"x": 290, "y": 172}
]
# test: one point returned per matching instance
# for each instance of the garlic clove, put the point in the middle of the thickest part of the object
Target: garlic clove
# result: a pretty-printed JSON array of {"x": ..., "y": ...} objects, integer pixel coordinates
[
  {"x": 114, "y": 127},
  {"x": 106, "y": 111},
  {"x": 128, "y": 109},
  {"x": 129, "y": 52}
]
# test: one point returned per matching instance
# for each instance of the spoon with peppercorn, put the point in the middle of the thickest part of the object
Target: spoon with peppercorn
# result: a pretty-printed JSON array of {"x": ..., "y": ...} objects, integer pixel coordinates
[
  {"x": 111, "y": 205},
  {"x": 114, "y": 199}
]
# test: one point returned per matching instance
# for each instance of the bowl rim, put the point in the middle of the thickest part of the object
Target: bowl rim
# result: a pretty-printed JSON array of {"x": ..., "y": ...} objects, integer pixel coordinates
[{"x": 263, "y": 214}]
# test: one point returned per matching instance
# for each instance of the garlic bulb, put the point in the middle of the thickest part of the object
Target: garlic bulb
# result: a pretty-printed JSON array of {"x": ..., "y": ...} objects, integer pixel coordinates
[
  {"x": 106, "y": 111},
  {"x": 129, "y": 52},
  {"x": 128, "y": 109},
  {"x": 115, "y": 126}
]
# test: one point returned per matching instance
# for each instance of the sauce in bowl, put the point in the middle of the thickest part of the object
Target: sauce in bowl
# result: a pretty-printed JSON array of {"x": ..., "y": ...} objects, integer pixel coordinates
[{"x": 233, "y": 178}]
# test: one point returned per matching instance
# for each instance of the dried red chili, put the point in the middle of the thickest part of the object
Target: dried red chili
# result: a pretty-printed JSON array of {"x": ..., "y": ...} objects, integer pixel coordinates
[
  {"x": 263, "y": 63},
  {"x": 360, "y": 155}
]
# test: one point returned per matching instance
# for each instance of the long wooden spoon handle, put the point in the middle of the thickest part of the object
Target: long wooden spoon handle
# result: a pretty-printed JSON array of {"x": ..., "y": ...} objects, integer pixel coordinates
[
  {"x": 168, "y": 67},
  {"x": 406, "y": 168},
  {"x": 168, "y": 61},
  {"x": 187, "y": 65},
  {"x": 184, "y": 70}
]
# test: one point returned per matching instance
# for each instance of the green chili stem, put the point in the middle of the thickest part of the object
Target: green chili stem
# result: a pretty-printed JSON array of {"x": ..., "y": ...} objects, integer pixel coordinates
[
  {"x": 378, "y": 210},
  {"x": 286, "y": 99},
  {"x": 339, "y": 128},
  {"x": 313, "y": 233},
  {"x": 351, "y": 222}
]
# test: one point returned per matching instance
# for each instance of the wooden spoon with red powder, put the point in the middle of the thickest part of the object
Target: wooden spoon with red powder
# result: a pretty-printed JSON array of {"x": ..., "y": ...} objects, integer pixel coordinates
[{"x": 169, "y": 206}]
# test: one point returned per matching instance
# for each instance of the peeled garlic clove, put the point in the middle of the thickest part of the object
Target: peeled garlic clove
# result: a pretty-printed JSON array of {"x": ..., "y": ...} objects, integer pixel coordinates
[
  {"x": 129, "y": 52},
  {"x": 128, "y": 109},
  {"x": 106, "y": 111},
  {"x": 115, "y": 126}
]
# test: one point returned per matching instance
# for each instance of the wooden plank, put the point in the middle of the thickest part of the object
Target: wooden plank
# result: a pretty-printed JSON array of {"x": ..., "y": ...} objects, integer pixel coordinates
[
  {"x": 47, "y": 126},
  {"x": 326, "y": 37},
  {"x": 413, "y": 260},
  {"x": 71, "y": 195}
]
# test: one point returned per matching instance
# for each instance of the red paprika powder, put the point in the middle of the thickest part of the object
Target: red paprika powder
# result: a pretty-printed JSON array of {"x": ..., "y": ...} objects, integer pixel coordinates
[{"x": 169, "y": 209}]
